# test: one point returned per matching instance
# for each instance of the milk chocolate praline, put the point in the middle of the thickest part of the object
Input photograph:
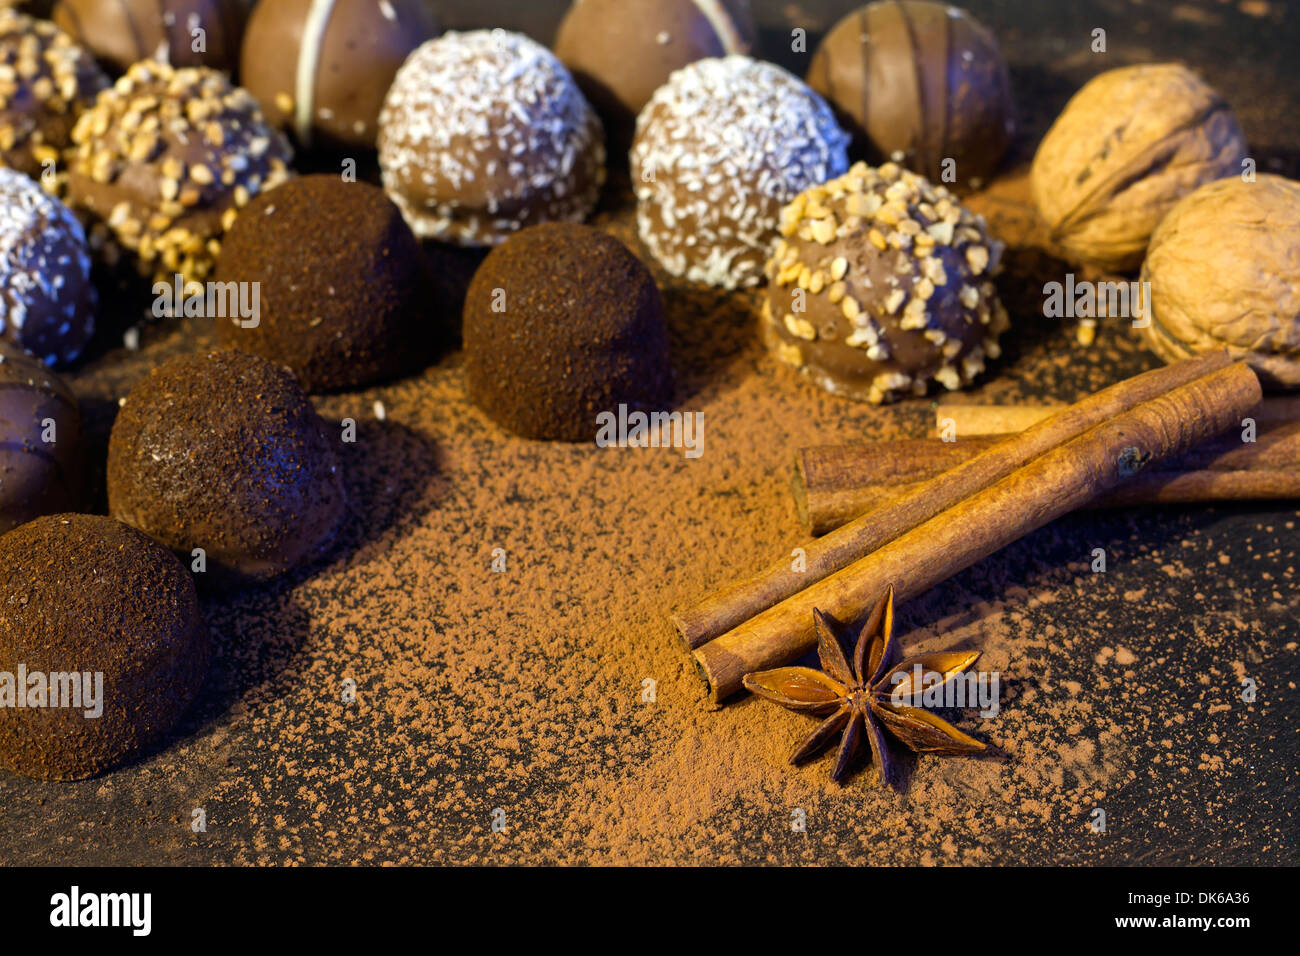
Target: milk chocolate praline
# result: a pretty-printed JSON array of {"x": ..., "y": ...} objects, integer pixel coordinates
[
  {"x": 321, "y": 69},
  {"x": 621, "y": 51},
  {"x": 922, "y": 84},
  {"x": 122, "y": 32},
  {"x": 86, "y": 595},
  {"x": 881, "y": 284},
  {"x": 562, "y": 323},
  {"x": 222, "y": 451},
  {"x": 345, "y": 296},
  {"x": 40, "y": 429}
]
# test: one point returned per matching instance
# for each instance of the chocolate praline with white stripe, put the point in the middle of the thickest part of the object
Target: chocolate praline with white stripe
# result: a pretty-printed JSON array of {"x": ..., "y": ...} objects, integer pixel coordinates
[
  {"x": 719, "y": 149},
  {"x": 484, "y": 133},
  {"x": 321, "y": 68},
  {"x": 47, "y": 301},
  {"x": 621, "y": 51}
]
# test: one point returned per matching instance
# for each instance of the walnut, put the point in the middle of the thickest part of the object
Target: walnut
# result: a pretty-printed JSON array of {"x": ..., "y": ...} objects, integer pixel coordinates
[
  {"x": 1128, "y": 146},
  {"x": 1224, "y": 271}
]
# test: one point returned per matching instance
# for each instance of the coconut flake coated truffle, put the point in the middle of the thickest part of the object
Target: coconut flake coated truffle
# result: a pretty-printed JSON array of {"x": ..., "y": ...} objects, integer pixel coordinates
[
  {"x": 719, "y": 150},
  {"x": 621, "y": 51},
  {"x": 164, "y": 161},
  {"x": 47, "y": 301},
  {"x": 222, "y": 451},
  {"x": 46, "y": 80},
  {"x": 321, "y": 68},
  {"x": 343, "y": 306},
  {"x": 85, "y": 595},
  {"x": 121, "y": 32},
  {"x": 563, "y": 322},
  {"x": 882, "y": 283},
  {"x": 484, "y": 133}
]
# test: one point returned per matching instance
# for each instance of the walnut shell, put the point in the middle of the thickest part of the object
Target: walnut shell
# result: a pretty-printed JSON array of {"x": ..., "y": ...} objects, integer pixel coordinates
[
  {"x": 1224, "y": 269},
  {"x": 1128, "y": 146}
]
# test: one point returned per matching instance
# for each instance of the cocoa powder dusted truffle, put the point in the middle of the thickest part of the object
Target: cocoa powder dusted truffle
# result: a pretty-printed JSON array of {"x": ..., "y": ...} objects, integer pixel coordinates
[
  {"x": 1128, "y": 146},
  {"x": 882, "y": 283},
  {"x": 484, "y": 133},
  {"x": 919, "y": 83},
  {"x": 321, "y": 68},
  {"x": 40, "y": 428},
  {"x": 179, "y": 32},
  {"x": 46, "y": 80},
  {"x": 47, "y": 301},
  {"x": 163, "y": 163},
  {"x": 223, "y": 451},
  {"x": 718, "y": 150},
  {"x": 563, "y": 322},
  {"x": 103, "y": 624},
  {"x": 343, "y": 287},
  {"x": 621, "y": 51},
  {"x": 1223, "y": 270}
]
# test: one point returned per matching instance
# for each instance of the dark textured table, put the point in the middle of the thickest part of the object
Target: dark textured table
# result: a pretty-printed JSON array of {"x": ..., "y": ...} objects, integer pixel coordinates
[{"x": 522, "y": 693}]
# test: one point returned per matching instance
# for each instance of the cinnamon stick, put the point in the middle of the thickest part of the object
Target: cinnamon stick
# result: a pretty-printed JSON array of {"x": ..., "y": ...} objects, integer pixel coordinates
[
  {"x": 969, "y": 421},
  {"x": 1050, "y": 485},
  {"x": 833, "y": 484},
  {"x": 736, "y": 604}
]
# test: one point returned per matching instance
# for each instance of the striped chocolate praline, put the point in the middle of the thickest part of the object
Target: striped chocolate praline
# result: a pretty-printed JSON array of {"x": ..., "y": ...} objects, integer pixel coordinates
[{"x": 922, "y": 84}]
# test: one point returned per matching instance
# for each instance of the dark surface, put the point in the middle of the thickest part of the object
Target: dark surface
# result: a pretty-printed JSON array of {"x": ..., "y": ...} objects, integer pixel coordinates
[{"x": 1245, "y": 592}]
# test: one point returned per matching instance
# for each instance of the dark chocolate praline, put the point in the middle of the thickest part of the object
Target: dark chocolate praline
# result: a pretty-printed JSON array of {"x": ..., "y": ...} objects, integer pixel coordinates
[
  {"x": 563, "y": 322},
  {"x": 923, "y": 84},
  {"x": 223, "y": 451},
  {"x": 85, "y": 595},
  {"x": 40, "y": 430},
  {"x": 344, "y": 291}
]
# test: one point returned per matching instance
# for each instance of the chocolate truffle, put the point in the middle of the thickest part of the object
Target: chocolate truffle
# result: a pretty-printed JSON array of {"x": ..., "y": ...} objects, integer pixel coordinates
[
  {"x": 163, "y": 163},
  {"x": 562, "y": 323},
  {"x": 919, "y": 83},
  {"x": 222, "y": 451},
  {"x": 882, "y": 283},
  {"x": 100, "y": 633},
  {"x": 122, "y": 32},
  {"x": 46, "y": 80},
  {"x": 343, "y": 287},
  {"x": 40, "y": 428},
  {"x": 484, "y": 133},
  {"x": 718, "y": 150},
  {"x": 621, "y": 51},
  {"x": 47, "y": 301},
  {"x": 321, "y": 68}
]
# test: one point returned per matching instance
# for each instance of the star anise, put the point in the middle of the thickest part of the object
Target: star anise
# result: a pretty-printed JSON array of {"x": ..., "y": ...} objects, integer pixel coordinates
[{"x": 865, "y": 695}]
